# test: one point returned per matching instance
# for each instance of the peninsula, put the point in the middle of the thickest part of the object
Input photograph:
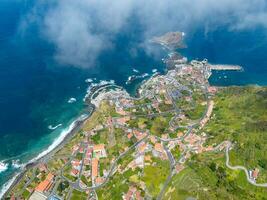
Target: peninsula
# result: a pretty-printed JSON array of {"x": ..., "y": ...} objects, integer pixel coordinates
[{"x": 170, "y": 40}]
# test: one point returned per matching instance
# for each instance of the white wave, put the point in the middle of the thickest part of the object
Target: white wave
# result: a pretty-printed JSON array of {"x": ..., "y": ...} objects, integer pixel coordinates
[
  {"x": 93, "y": 85},
  {"x": 131, "y": 78},
  {"x": 16, "y": 164},
  {"x": 154, "y": 70},
  {"x": 72, "y": 100},
  {"x": 3, "y": 166},
  {"x": 54, "y": 127},
  {"x": 135, "y": 70},
  {"x": 89, "y": 80},
  {"x": 134, "y": 77},
  {"x": 7, "y": 185},
  {"x": 61, "y": 137},
  {"x": 144, "y": 75}
]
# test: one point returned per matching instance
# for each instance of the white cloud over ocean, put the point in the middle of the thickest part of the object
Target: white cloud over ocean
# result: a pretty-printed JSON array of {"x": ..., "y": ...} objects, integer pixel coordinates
[{"x": 81, "y": 29}]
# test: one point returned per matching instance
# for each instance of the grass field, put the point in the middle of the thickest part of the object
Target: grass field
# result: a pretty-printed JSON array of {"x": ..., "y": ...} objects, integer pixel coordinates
[
  {"x": 77, "y": 195},
  {"x": 240, "y": 115},
  {"x": 206, "y": 177},
  {"x": 155, "y": 176}
]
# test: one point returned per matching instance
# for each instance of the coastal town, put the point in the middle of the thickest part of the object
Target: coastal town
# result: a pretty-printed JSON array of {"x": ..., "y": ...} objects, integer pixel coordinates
[{"x": 131, "y": 147}]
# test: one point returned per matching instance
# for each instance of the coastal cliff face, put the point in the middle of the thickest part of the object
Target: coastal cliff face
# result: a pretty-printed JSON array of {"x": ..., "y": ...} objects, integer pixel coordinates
[{"x": 179, "y": 128}]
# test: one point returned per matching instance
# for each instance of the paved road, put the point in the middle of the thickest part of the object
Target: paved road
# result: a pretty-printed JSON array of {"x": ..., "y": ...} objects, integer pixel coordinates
[
  {"x": 172, "y": 166},
  {"x": 238, "y": 167},
  {"x": 115, "y": 163}
]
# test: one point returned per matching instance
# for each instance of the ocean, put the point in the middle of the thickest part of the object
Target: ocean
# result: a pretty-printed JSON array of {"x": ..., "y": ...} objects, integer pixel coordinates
[{"x": 35, "y": 89}]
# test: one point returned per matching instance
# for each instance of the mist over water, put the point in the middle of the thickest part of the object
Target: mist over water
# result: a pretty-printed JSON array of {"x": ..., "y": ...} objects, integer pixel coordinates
[{"x": 41, "y": 67}]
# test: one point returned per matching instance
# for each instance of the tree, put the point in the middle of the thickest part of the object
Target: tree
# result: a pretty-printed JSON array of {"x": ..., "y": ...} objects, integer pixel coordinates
[
  {"x": 213, "y": 166},
  {"x": 263, "y": 163}
]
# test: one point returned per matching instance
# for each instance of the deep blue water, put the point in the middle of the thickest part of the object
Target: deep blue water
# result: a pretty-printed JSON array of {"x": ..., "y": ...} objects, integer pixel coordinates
[
  {"x": 35, "y": 88},
  {"x": 221, "y": 46}
]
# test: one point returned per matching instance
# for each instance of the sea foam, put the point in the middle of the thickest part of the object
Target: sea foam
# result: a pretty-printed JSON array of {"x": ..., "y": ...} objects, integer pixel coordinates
[
  {"x": 15, "y": 163},
  {"x": 54, "y": 127},
  {"x": 3, "y": 166},
  {"x": 94, "y": 85},
  {"x": 7, "y": 185},
  {"x": 61, "y": 137}
]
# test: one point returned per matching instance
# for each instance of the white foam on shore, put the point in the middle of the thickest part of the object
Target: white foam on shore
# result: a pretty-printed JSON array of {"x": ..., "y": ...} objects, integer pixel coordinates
[
  {"x": 16, "y": 164},
  {"x": 7, "y": 185},
  {"x": 61, "y": 137},
  {"x": 50, "y": 148},
  {"x": 93, "y": 85},
  {"x": 3, "y": 166},
  {"x": 56, "y": 142}
]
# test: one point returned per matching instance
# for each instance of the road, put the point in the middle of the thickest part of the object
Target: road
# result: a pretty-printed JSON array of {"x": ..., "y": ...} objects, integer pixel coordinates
[
  {"x": 172, "y": 167},
  {"x": 115, "y": 163},
  {"x": 238, "y": 167}
]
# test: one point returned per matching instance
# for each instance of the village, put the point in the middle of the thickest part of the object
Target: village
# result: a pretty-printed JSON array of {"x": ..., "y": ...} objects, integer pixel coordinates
[{"x": 126, "y": 137}]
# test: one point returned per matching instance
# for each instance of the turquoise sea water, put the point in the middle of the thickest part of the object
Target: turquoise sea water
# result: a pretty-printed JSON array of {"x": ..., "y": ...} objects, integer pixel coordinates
[{"x": 35, "y": 89}]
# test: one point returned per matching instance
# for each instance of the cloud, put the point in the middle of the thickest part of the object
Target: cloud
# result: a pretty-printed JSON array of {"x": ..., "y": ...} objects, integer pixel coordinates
[{"x": 82, "y": 29}]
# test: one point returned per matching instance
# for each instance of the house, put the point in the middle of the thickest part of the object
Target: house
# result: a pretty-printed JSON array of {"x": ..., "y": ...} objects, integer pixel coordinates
[
  {"x": 142, "y": 147},
  {"x": 255, "y": 173},
  {"x": 76, "y": 164},
  {"x": 159, "y": 148},
  {"x": 94, "y": 168},
  {"x": 120, "y": 111},
  {"x": 159, "y": 151},
  {"x": 148, "y": 158},
  {"x": 81, "y": 149},
  {"x": 180, "y": 134},
  {"x": 99, "y": 127},
  {"x": 99, "y": 180},
  {"x": 74, "y": 172},
  {"x": 45, "y": 185},
  {"x": 179, "y": 168},
  {"x": 132, "y": 193},
  {"x": 168, "y": 100},
  {"x": 130, "y": 135},
  {"x": 153, "y": 139},
  {"x": 89, "y": 152},
  {"x": 42, "y": 167},
  {"x": 138, "y": 134},
  {"x": 164, "y": 136},
  {"x": 74, "y": 149},
  {"x": 99, "y": 151},
  {"x": 122, "y": 121},
  {"x": 212, "y": 90}
]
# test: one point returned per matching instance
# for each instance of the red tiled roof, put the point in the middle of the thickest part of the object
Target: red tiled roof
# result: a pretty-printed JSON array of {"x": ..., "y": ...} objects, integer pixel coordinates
[{"x": 94, "y": 167}]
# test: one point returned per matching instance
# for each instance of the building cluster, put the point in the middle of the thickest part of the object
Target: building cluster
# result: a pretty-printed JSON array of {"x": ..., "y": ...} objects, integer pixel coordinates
[
  {"x": 86, "y": 159},
  {"x": 45, "y": 186},
  {"x": 133, "y": 193},
  {"x": 88, "y": 166}
]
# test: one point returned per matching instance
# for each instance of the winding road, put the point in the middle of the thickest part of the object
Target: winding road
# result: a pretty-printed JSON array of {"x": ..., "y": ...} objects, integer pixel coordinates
[{"x": 238, "y": 167}]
